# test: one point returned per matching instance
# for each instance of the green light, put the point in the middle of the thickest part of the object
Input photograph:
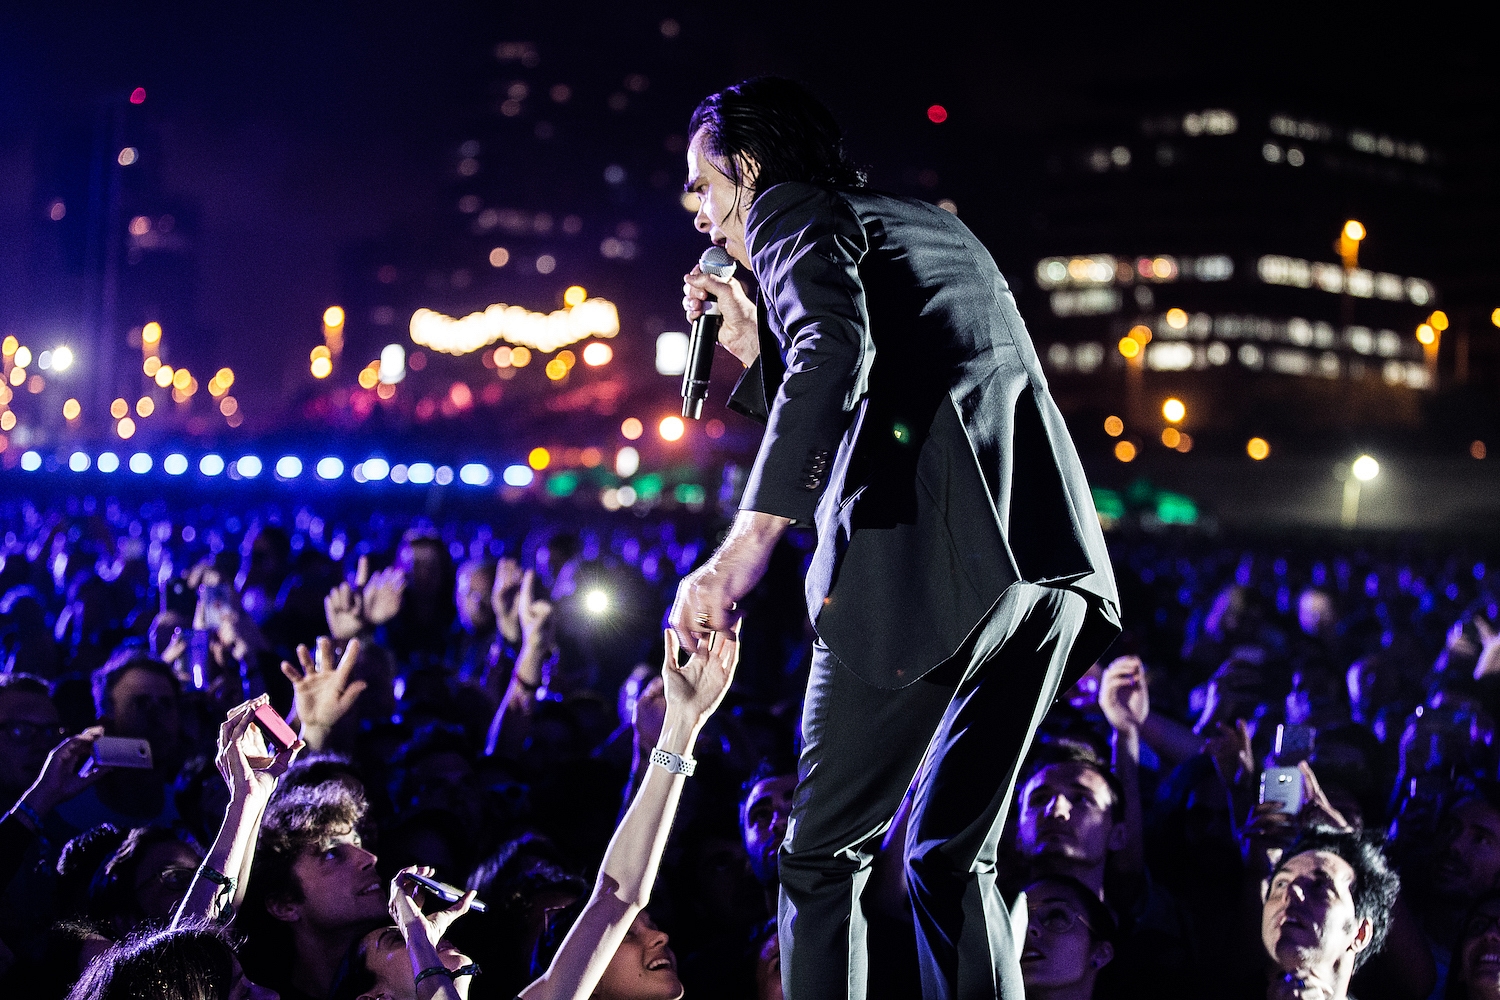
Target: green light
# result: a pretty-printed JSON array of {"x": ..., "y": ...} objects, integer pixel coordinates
[
  {"x": 902, "y": 432},
  {"x": 562, "y": 484},
  {"x": 648, "y": 487},
  {"x": 1174, "y": 508},
  {"x": 1108, "y": 504},
  {"x": 689, "y": 493}
]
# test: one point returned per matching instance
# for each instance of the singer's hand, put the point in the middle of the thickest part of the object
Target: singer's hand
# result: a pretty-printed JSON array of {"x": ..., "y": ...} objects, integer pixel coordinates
[{"x": 739, "y": 335}]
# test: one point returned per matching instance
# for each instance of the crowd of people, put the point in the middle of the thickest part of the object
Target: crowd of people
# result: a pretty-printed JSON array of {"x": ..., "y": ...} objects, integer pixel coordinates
[{"x": 1281, "y": 781}]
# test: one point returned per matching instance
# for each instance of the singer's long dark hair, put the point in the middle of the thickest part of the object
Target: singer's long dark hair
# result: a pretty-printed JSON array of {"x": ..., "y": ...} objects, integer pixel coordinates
[{"x": 779, "y": 125}]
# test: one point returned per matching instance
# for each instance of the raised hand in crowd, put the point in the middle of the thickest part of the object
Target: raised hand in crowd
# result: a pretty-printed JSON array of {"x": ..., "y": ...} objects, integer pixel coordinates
[
  {"x": 538, "y": 641},
  {"x": 251, "y": 769},
  {"x": 423, "y": 934},
  {"x": 614, "y": 909},
  {"x": 1270, "y": 829},
  {"x": 504, "y": 599},
  {"x": 60, "y": 778},
  {"x": 1126, "y": 704},
  {"x": 323, "y": 692},
  {"x": 1123, "y": 696},
  {"x": 370, "y": 601}
]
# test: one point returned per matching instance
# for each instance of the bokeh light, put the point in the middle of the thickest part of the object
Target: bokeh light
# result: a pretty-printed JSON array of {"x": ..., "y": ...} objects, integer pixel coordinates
[
  {"x": 1365, "y": 468},
  {"x": 1258, "y": 448},
  {"x": 671, "y": 428},
  {"x": 631, "y": 429},
  {"x": 937, "y": 114},
  {"x": 1114, "y": 426},
  {"x": 1174, "y": 410},
  {"x": 539, "y": 458},
  {"x": 333, "y": 317},
  {"x": 596, "y": 354},
  {"x": 1125, "y": 451}
]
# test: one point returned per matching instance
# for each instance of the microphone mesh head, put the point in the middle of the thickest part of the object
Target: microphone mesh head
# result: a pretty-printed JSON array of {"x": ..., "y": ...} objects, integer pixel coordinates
[{"x": 717, "y": 262}]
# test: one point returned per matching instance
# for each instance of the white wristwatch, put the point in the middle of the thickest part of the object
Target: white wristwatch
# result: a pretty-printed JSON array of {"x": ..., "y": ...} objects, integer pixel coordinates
[{"x": 673, "y": 763}]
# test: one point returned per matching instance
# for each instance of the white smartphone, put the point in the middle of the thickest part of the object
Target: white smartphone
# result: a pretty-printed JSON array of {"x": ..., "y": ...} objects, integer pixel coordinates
[
  {"x": 119, "y": 751},
  {"x": 1284, "y": 785}
]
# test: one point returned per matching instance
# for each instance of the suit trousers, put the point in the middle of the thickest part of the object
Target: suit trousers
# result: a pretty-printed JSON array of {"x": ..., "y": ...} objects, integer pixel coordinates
[{"x": 957, "y": 738}]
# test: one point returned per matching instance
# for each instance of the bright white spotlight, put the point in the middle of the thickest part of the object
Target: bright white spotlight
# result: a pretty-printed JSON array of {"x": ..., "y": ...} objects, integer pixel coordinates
[
  {"x": 140, "y": 463},
  {"x": 627, "y": 461},
  {"x": 31, "y": 461},
  {"x": 376, "y": 469},
  {"x": 421, "y": 473},
  {"x": 518, "y": 475},
  {"x": 475, "y": 474},
  {"x": 671, "y": 353},
  {"x": 62, "y": 358},
  {"x": 596, "y": 602},
  {"x": 289, "y": 467},
  {"x": 330, "y": 468},
  {"x": 174, "y": 464},
  {"x": 392, "y": 366},
  {"x": 1365, "y": 468},
  {"x": 249, "y": 466},
  {"x": 107, "y": 461},
  {"x": 79, "y": 461},
  {"x": 211, "y": 465}
]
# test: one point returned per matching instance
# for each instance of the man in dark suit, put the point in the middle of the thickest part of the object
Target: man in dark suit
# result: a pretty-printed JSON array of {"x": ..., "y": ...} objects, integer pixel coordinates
[{"x": 960, "y": 575}]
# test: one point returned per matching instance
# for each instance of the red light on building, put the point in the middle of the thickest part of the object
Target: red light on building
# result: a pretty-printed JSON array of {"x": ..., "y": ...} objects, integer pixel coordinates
[
  {"x": 937, "y": 113},
  {"x": 138, "y": 95}
]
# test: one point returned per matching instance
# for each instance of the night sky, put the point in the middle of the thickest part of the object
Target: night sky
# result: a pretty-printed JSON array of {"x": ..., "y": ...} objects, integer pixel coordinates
[{"x": 305, "y": 145}]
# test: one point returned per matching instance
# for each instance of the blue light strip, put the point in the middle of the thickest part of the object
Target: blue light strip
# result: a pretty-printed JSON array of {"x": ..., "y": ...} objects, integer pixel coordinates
[{"x": 286, "y": 468}]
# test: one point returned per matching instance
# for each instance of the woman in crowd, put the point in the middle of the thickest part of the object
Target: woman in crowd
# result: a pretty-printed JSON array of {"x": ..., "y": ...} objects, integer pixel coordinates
[{"x": 611, "y": 950}]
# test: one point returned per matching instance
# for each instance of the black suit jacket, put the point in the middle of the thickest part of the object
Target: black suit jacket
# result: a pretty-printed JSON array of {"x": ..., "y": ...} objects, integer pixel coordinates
[{"x": 908, "y": 418}]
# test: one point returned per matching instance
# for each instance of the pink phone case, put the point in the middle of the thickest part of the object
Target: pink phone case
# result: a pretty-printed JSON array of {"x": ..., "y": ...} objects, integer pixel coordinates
[{"x": 274, "y": 726}]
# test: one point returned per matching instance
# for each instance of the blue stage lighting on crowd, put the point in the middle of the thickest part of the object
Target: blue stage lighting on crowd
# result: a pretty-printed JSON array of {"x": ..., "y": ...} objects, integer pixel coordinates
[
  {"x": 107, "y": 461},
  {"x": 31, "y": 461},
  {"x": 376, "y": 469},
  {"x": 518, "y": 475},
  {"x": 289, "y": 467},
  {"x": 211, "y": 465},
  {"x": 475, "y": 474},
  {"x": 330, "y": 468},
  {"x": 248, "y": 466},
  {"x": 79, "y": 461},
  {"x": 421, "y": 473},
  {"x": 174, "y": 464},
  {"x": 140, "y": 463}
]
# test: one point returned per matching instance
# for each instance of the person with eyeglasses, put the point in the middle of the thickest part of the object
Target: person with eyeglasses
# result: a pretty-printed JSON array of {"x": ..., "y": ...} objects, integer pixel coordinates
[
  {"x": 1069, "y": 939},
  {"x": 38, "y": 772},
  {"x": 30, "y": 727}
]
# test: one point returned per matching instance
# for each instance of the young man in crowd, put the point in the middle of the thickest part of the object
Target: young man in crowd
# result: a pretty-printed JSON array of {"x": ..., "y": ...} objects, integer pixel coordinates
[
  {"x": 313, "y": 890},
  {"x": 763, "y": 817},
  {"x": 136, "y": 697},
  {"x": 1072, "y": 815},
  {"x": 1326, "y": 912}
]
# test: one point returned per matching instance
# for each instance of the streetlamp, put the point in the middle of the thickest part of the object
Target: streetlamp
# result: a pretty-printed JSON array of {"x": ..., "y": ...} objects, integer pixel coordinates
[
  {"x": 1361, "y": 471},
  {"x": 1349, "y": 240}
]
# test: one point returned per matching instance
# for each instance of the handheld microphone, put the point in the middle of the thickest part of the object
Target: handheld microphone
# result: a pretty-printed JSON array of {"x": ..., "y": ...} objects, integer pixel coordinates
[{"x": 705, "y": 336}]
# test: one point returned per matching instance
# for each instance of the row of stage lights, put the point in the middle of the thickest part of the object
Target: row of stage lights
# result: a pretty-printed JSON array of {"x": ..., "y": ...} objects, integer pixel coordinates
[{"x": 289, "y": 468}]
